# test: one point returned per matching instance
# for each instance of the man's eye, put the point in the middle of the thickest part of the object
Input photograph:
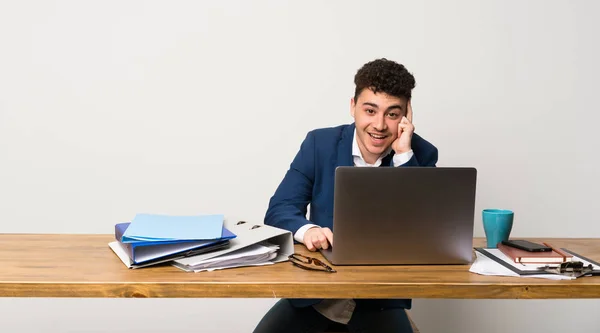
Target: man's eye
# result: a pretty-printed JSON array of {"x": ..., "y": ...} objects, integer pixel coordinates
[
  {"x": 393, "y": 115},
  {"x": 370, "y": 111}
]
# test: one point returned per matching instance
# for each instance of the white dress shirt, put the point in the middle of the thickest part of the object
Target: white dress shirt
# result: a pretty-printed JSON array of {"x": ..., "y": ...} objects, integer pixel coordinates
[{"x": 341, "y": 310}]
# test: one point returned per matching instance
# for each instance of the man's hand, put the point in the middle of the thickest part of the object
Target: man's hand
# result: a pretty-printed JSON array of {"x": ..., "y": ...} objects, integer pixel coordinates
[
  {"x": 318, "y": 238},
  {"x": 405, "y": 131}
]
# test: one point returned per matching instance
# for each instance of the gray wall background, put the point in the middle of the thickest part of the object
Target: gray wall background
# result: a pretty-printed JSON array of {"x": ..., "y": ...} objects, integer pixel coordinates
[{"x": 112, "y": 108}]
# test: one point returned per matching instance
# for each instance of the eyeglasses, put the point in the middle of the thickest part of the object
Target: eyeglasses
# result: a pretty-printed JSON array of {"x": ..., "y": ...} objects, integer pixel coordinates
[{"x": 309, "y": 263}]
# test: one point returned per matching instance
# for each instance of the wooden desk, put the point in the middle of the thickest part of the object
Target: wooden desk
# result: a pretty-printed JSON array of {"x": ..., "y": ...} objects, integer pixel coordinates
[{"x": 84, "y": 266}]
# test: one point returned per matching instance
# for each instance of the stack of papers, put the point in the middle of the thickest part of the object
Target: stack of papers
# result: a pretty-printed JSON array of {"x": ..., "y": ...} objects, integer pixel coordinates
[
  {"x": 487, "y": 266},
  {"x": 253, "y": 255},
  {"x": 494, "y": 262},
  {"x": 153, "y": 239},
  {"x": 193, "y": 244}
]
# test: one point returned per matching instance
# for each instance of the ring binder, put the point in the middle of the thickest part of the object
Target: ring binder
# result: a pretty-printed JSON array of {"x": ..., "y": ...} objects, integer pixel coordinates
[{"x": 248, "y": 235}]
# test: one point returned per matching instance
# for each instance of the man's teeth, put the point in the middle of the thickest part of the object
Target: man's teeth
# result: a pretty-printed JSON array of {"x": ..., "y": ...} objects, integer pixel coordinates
[{"x": 377, "y": 136}]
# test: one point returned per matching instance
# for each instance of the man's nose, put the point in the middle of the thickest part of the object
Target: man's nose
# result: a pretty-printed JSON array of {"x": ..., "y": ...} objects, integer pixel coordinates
[{"x": 379, "y": 123}]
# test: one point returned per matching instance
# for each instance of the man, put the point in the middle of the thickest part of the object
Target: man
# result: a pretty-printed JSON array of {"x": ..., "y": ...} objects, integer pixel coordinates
[{"x": 382, "y": 135}]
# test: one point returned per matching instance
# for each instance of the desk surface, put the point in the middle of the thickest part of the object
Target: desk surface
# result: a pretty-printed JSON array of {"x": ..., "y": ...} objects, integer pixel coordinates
[{"x": 84, "y": 266}]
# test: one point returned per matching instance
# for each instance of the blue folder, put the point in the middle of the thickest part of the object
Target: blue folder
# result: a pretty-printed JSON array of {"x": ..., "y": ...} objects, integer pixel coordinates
[
  {"x": 144, "y": 252},
  {"x": 153, "y": 227}
]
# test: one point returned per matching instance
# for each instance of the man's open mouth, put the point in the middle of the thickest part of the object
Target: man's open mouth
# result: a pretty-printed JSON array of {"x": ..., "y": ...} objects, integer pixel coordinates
[{"x": 378, "y": 137}]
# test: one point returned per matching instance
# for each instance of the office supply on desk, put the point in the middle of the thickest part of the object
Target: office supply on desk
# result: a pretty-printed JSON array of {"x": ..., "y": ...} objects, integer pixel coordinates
[
  {"x": 495, "y": 262},
  {"x": 309, "y": 263},
  {"x": 121, "y": 251},
  {"x": 554, "y": 256},
  {"x": 253, "y": 255},
  {"x": 249, "y": 236},
  {"x": 526, "y": 245},
  {"x": 485, "y": 264},
  {"x": 416, "y": 215},
  {"x": 574, "y": 269},
  {"x": 152, "y": 227},
  {"x": 145, "y": 253},
  {"x": 497, "y": 225}
]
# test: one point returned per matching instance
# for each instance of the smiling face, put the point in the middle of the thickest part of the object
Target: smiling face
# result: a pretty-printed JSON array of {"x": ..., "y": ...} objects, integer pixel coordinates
[{"x": 376, "y": 116}]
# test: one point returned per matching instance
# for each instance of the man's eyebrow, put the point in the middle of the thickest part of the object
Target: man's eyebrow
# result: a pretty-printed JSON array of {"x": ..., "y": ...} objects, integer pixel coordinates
[
  {"x": 390, "y": 108},
  {"x": 395, "y": 106}
]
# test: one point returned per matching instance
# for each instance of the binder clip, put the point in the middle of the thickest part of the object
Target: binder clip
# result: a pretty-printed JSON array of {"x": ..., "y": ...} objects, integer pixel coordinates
[{"x": 571, "y": 268}]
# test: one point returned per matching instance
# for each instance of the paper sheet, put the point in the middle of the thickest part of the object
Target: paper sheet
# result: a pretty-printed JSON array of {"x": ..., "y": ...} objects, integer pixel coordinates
[
  {"x": 253, "y": 255},
  {"x": 486, "y": 266}
]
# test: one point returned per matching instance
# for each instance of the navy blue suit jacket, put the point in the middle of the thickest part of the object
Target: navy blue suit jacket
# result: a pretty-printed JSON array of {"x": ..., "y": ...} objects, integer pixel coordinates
[{"x": 310, "y": 179}]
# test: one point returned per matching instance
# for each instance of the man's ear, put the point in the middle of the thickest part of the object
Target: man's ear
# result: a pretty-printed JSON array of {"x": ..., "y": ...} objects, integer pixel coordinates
[{"x": 352, "y": 106}]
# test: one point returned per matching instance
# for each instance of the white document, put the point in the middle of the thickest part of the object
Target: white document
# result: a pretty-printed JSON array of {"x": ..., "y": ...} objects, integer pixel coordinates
[
  {"x": 247, "y": 252},
  {"x": 487, "y": 266},
  {"x": 222, "y": 267},
  {"x": 256, "y": 254},
  {"x": 255, "y": 244}
]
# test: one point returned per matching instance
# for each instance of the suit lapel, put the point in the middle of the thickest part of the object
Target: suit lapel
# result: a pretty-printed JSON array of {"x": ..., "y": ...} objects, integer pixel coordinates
[{"x": 344, "y": 153}]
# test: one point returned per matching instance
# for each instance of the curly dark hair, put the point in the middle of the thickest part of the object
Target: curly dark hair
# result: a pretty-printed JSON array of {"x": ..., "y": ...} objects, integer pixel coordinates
[{"x": 382, "y": 75}]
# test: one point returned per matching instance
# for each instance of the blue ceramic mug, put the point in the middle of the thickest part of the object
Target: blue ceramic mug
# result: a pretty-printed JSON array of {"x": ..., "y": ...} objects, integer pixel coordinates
[{"x": 497, "y": 224}]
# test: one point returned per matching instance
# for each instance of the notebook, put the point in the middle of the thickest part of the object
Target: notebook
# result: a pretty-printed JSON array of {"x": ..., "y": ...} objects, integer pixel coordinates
[{"x": 556, "y": 256}]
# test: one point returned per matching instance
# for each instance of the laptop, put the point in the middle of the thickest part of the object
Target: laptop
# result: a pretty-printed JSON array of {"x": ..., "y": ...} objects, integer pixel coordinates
[{"x": 403, "y": 215}]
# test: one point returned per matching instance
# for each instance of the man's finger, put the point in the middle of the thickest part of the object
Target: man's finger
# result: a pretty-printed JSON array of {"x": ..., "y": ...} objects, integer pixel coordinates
[
  {"x": 316, "y": 242},
  {"x": 409, "y": 112},
  {"x": 405, "y": 126},
  {"x": 327, "y": 232},
  {"x": 309, "y": 245},
  {"x": 323, "y": 241}
]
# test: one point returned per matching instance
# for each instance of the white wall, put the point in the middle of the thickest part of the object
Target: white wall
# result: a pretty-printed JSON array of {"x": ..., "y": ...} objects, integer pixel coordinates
[{"x": 111, "y": 108}]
